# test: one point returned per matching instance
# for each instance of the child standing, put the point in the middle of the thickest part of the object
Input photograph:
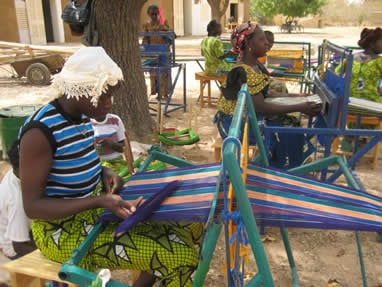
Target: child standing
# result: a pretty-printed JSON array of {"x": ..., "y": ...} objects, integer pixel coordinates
[
  {"x": 109, "y": 139},
  {"x": 154, "y": 25}
]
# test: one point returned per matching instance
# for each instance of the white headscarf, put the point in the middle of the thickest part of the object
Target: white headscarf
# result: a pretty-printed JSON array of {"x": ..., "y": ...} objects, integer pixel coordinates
[{"x": 87, "y": 73}]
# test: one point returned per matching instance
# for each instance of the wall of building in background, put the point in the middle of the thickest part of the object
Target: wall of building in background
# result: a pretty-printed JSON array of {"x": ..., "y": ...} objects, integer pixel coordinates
[
  {"x": 36, "y": 22},
  {"x": 197, "y": 14},
  {"x": 31, "y": 22},
  {"x": 22, "y": 21},
  {"x": 39, "y": 21},
  {"x": 8, "y": 26}
]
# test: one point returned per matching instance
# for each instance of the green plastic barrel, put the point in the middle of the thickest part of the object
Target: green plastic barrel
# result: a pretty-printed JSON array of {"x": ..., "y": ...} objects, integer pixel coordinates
[{"x": 11, "y": 119}]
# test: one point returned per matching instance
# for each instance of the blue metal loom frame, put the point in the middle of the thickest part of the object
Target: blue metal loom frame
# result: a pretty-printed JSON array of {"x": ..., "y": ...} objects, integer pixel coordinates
[{"x": 167, "y": 52}]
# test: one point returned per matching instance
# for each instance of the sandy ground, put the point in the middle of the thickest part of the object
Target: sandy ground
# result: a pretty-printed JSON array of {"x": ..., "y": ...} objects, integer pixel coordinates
[{"x": 321, "y": 256}]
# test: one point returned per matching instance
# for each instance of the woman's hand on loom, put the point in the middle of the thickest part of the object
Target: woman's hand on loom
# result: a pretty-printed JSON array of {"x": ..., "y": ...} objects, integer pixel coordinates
[
  {"x": 311, "y": 108},
  {"x": 112, "y": 182},
  {"x": 120, "y": 207}
]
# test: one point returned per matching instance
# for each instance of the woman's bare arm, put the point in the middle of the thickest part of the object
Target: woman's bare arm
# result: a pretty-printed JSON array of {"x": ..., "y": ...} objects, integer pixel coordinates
[
  {"x": 265, "y": 108},
  {"x": 35, "y": 165}
]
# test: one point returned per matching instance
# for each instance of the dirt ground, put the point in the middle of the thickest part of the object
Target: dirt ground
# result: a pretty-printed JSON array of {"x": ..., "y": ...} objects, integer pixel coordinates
[{"x": 323, "y": 257}]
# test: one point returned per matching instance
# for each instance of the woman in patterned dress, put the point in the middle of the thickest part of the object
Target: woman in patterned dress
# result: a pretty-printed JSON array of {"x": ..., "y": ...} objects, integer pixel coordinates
[
  {"x": 367, "y": 66},
  {"x": 65, "y": 189},
  {"x": 249, "y": 41}
]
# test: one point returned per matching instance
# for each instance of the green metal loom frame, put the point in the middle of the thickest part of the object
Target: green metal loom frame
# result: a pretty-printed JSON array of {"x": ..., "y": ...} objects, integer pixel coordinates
[
  {"x": 264, "y": 276},
  {"x": 244, "y": 110}
]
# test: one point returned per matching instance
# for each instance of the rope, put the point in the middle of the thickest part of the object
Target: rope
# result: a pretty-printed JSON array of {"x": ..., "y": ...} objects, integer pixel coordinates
[
  {"x": 235, "y": 224},
  {"x": 240, "y": 234}
]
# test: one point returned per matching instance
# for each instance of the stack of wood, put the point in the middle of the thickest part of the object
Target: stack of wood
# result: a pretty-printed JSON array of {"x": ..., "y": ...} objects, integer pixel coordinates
[{"x": 14, "y": 52}]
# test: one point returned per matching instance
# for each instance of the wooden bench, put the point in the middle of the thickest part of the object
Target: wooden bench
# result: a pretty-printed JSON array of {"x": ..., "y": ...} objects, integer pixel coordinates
[
  {"x": 205, "y": 80},
  {"x": 218, "y": 149},
  {"x": 34, "y": 270}
]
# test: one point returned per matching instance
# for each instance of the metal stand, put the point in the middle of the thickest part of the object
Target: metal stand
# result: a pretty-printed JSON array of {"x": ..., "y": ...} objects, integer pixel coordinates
[{"x": 160, "y": 60}]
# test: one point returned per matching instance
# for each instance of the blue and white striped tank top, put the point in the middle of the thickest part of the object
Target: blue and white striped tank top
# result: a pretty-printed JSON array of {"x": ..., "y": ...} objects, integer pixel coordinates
[{"x": 76, "y": 168}]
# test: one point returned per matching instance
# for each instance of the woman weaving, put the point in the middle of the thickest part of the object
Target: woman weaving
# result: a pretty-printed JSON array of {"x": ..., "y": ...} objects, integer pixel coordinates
[
  {"x": 65, "y": 189},
  {"x": 250, "y": 42}
]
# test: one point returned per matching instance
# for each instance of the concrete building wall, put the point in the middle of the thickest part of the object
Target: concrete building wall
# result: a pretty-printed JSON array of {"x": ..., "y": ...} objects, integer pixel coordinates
[
  {"x": 57, "y": 23},
  {"x": 22, "y": 22},
  {"x": 197, "y": 15},
  {"x": 201, "y": 16},
  {"x": 187, "y": 6},
  {"x": 178, "y": 18},
  {"x": 8, "y": 27},
  {"x": 36, "y": 22}
]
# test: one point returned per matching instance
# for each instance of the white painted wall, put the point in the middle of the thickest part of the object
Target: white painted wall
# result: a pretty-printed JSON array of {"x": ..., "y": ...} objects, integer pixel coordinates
[
  {"x": 57, "y": 23},
  {"x": 36, "y": 22},
  {"x": 22, "y": 21},
  {"x": 201, "y": 15},
  {"x": 187, "y": 12}
]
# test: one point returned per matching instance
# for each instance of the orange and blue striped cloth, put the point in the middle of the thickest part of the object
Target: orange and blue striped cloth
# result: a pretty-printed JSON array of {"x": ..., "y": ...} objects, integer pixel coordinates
[
  {"x": 190, "y": 202},
  {"x": 278, "y": 198}
]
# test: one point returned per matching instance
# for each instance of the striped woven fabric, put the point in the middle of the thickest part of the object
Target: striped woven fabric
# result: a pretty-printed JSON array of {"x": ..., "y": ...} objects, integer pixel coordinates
[
  {"x": 278, "y": 198},
  {"x": 192, "y": 200}
]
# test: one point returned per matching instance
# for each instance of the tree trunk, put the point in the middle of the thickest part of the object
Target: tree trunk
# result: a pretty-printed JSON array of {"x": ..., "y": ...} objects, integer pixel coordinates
[
  {"x": 118, "y": 26},
  {"x": 218, "y": 9}
]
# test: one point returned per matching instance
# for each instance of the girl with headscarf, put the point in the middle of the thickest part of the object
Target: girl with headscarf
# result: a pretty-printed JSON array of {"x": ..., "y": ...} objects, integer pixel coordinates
[{"x": 249, "y": 41}]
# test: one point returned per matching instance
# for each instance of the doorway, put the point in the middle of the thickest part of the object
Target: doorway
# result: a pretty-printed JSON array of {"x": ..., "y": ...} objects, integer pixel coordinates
[
  {"x": 48, "y": 21},
  {"x": 233, "y": 13}
]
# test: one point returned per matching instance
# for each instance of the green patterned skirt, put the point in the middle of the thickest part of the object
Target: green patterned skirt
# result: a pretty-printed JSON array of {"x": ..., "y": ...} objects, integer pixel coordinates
[
  {"x": 116, "y": 164},
  {"x": 166, "y": 249}
]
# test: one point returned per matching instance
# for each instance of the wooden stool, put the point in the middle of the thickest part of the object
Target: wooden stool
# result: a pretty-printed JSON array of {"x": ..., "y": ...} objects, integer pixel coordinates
[
  {"x": 33, "y": 270},
  {"x": 218, "y": 149},
  {"x": 375, "y": 121},
  {"x": 206, "y": 80}
]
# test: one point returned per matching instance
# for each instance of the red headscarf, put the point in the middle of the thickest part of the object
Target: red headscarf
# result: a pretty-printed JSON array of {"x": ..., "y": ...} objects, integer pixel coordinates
[{"x": 240, "y": 35}]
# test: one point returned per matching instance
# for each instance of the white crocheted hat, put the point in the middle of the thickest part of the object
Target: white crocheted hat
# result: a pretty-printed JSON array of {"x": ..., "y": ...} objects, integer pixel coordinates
[{"x": 87, "y": 73}]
